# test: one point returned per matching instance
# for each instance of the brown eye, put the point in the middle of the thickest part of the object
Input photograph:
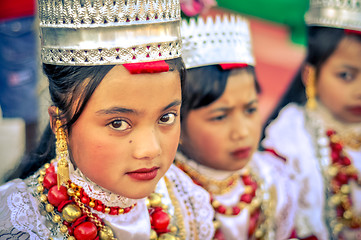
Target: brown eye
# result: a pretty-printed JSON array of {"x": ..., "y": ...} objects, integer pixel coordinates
[
  {"x": 119, "y": 125},
  {"x": 168, "y": 119}
]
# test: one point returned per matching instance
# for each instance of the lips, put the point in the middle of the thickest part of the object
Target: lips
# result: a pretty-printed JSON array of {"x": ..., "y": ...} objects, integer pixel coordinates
[
  {"x": 242, "y": 153},
  {"x": 144, "y": 174},
  {"x": 355, "y": 110}
]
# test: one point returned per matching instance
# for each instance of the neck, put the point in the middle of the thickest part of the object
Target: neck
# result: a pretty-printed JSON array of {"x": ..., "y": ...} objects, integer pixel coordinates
[{"x": 97, "y": 192}]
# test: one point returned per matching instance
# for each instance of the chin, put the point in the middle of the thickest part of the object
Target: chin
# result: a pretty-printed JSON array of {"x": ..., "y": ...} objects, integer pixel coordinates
[{"x": 139, "y": 192}]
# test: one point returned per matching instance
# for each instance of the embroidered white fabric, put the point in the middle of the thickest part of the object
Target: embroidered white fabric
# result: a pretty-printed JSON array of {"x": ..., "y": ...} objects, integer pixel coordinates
[
  {"x": 288, "y": 135},
  {"x": 194, "y": 202},
  {"x": 273, "y": 172},
  {"x": 97, "y": 192},
  {"x": 19, "y": 214}
]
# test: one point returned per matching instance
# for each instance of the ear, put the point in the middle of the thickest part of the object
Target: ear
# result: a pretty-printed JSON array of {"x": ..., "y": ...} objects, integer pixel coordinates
[
  {"x": 52, "y": 118},
  {"x": 306, "y": 70}
]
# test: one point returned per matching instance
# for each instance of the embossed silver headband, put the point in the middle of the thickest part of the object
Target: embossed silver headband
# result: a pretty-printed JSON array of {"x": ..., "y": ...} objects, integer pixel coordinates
[
  {"x": 105, "y": 32},
  {"x": 344, "y": 14}
]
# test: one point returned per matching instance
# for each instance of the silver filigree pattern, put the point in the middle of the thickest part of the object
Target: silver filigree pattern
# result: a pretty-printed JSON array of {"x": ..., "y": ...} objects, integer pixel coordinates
[
  {"x": 82, "y": 13},
  {"x": 335, "y": 13},
  {"x": 81, "y": 57},
  {"x": 105, "y": 32},
  {"x": 210, "y": 42}
]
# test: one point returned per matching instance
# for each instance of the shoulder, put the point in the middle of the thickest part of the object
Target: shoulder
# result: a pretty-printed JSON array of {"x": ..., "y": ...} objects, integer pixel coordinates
[
  {"x": 269, "y": 165},
  {"x": 196, "y": 202},
  {"x": 288, "y": 136},
  {"x": 291, "y": 118}
]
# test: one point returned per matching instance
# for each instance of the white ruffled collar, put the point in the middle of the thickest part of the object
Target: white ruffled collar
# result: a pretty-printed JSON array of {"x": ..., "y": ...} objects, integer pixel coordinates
[
  {"x": 330, "y": 122},
  {"x": 211, "y": 173},
  {"x": 97, "y": 192}
]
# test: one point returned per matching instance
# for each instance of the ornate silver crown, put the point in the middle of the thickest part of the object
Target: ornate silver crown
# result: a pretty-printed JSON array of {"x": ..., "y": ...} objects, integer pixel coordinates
[
  {"x": 104, "y": 32},
  {"x": 226, "y": 40},
  {"x": 335, "y": 13}
]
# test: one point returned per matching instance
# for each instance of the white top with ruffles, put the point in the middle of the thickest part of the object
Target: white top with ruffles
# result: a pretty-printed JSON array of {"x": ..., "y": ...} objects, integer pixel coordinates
[{"x": 292, "y": 135}]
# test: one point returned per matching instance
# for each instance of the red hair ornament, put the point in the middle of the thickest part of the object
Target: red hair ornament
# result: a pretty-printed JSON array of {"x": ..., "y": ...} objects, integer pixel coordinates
[{"x": 147, "y": 67}]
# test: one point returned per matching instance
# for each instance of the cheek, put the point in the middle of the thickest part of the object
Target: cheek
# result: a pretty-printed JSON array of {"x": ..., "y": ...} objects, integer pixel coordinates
[
  {"x": 93, "y": 150},
  {"x": 207, "y": 142},
  {"x": 331, "y": 95},
  {"x": 256, "y": 130},
  {"x": 171, "y": 141}
]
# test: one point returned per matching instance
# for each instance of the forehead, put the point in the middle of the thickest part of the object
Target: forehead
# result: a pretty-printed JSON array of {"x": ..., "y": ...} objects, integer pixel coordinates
[
  {"x": 240, "y": 87},
  {"x": 140, "y": 91},
  {"x": 348, "y": 51}
]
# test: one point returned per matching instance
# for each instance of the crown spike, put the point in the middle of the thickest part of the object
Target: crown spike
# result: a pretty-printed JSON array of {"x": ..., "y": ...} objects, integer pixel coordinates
[
  {"x": 160, "y": 10},
  {"x": 151, "y": 11},
  {"x": 223, "y": 40},
  {"x": 142, "y": 16}
]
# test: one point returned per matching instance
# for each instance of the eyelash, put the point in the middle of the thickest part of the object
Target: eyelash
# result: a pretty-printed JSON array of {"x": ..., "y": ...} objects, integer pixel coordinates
[
  {"x": 219, "y": 118},
  {"x": 346, "y": 76},
  {"x": 251, "y": 110},
  {"x": 175, "y": 115},
  {"x": 118, "y": 120},
  {"x": 122, "y": 121}
]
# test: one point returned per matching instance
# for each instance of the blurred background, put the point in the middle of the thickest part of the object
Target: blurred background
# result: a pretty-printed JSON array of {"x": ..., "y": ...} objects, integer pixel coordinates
[{"x": 278, "y": 35}]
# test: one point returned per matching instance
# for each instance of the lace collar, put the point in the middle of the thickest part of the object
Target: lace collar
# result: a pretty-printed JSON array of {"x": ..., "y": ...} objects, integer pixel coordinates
[
  {"x": 331, "y": 122},
  {"x": 97, "y": 192},
  {"x": 350, "y": 133},
  {"x": 218, "y": 175}
]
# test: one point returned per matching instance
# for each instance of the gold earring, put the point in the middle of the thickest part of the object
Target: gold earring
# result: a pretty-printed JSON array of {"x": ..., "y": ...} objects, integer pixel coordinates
[
  {"x": 311, "y": 89},
  {"x": 61, "y": 152}
]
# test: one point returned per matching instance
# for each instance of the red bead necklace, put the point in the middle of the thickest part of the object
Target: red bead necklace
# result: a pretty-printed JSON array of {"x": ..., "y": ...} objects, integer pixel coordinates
[
  {"x": 342, "y": 172},
  {"x": 246, "y": 200},
  {"x": 80, "y": 223}
]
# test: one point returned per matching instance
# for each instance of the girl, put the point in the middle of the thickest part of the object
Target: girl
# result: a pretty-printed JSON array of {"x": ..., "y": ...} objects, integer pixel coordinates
[
  {"x": 114, "y": 130},
  {"x": 321, "y": 137},
  {"x": 250, "y": 192}
]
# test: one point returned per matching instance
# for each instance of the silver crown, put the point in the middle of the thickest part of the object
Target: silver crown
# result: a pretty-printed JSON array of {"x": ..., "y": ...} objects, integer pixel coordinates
[
  {"x": 335, "y": 13},
  {"x": 104, "y": 32},
  {"x": 226, "y": 40}
]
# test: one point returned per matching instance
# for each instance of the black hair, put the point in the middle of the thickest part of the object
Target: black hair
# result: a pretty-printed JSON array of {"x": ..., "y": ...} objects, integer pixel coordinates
[
  {"x": 204, "y": 85},
  {"x": 70, "y": 89},
  {"x": 321, "y": 44}
]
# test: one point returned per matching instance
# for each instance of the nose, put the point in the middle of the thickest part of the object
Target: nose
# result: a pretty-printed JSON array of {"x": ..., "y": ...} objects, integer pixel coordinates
[
  {"x": 239, "y": 129},
  {"x": 146, "y": 144}
]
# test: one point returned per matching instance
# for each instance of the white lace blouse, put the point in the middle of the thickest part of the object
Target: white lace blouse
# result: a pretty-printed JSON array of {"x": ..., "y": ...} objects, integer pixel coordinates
[
  {"x": 293, "y": 137},
  {"x": 21, "y": 215},
  {"x": 272, "y": 172}
]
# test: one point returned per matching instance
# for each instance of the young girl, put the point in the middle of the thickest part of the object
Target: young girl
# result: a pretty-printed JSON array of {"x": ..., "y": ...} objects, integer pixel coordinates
[
  {"x": 250, "y": 191},
  {"x": 321, "y": 137},
  {"x": 103, "y": 167}
]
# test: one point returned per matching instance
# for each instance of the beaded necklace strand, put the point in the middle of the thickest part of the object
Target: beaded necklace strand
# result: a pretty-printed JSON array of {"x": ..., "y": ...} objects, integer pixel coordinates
[
  {"x": 69, "y": 207},
  {"x": 249, "y": 199},
  {"x": 340, "y": 173}
]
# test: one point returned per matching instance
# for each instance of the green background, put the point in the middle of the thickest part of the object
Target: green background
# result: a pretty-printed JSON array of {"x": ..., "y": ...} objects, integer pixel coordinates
[{"x": 286, "y": 12}]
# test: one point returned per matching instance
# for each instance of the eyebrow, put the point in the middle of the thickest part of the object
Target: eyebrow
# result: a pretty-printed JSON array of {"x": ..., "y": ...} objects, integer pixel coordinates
[
  {"x": 252, "y": 102},
  {"x": 117, "y": 110},
  {"x": 351, "y": 67},
  {"x": 225, "y": 109},
  {"x": 172, "y": 104}
]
